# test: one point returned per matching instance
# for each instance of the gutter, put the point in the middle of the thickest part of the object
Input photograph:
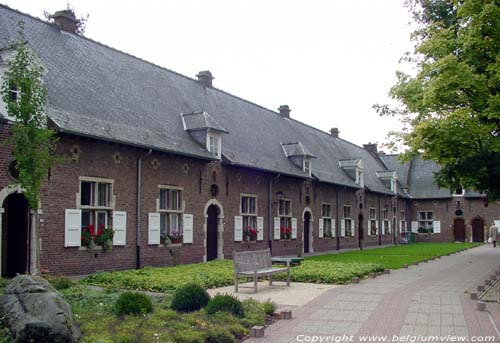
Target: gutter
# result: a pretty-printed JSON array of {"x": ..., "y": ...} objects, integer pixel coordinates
[{"x": 138, "y": 209}]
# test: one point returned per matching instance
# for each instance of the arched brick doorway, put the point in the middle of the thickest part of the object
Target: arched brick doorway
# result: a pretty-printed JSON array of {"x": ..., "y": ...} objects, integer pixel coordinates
[{"x": 478, "y": 230}]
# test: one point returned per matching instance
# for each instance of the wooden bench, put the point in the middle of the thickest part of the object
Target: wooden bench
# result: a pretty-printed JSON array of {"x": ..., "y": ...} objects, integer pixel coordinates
[{"x": 254, "y": 264}]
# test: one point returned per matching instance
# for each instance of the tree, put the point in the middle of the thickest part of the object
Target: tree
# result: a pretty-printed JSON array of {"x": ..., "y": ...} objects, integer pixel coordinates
[
  {"x": 451, "y": 107},
  {"x": 33, "y": 144}
]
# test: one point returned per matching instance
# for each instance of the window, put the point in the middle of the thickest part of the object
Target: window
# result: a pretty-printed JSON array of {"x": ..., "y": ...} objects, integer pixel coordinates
[
  {"x": 248, "y": 212},
  {"x": 326, "y": 214},
  {"x": 373, "y": 221},
  {"x": 425, "y": 222},
  {"x": 348, "y": 221},
  {"x": 96, "y": 204},
  {"x": 307, "y": 166},
  {"x": 459, "y": 192},
  {"x": 402, "y": 215},
  {"x": 359, "y": 177},
  {"x": 393, "y": 185},
  {"x": 214, "y": 144},
  {"x": 386, "y": 226},
  {"x": 170, "y": 214},
  {"x": 13, "y": 92},
  {"x": 285, "y": 214}
]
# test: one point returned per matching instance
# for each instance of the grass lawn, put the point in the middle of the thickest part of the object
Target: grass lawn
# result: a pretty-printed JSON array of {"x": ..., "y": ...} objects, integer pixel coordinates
[{"x": 396, "y": 256}]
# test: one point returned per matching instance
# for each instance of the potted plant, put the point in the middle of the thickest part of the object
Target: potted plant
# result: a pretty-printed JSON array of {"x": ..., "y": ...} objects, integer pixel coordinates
[
  {"x": 101, "y": 237},
  {"x": 165, "y": 239},
  {"x": 286, "y": 232},
  {"x": 250, "y": 234},
  {"x": 175, "y": 237}
]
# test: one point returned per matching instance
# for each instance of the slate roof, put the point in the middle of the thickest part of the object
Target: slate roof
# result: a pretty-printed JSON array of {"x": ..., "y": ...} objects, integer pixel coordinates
[{"x": 103, "y": 93}]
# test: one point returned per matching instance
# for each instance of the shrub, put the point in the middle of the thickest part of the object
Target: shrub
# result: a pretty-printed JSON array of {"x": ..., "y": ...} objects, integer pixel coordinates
[
  {"x": 218, "y": 335},
  {"x": 189, "y": 298},
  {"x": 59, "y": 282},
  {"x": 225, "y": 303},
  {"x": 189, "y": 336},
  {"x": 133, "y": 303},
  {"x": 269, "y": 307}
]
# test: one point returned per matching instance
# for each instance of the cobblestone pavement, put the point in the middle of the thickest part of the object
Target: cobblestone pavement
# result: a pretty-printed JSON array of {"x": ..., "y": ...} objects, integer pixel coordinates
[{"x": 430, "y": 299}]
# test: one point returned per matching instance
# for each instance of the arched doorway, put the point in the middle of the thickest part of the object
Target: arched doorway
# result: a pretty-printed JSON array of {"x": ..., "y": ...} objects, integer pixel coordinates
[
  {"x": 361, "y": 233},
  {"x": 15, "y": 235},
  {"x": 477, "y": 230},
  {"x": 212, "y": 232},
  {"x": 459, "y": 230},
  {"x": 307, "y": 231}
]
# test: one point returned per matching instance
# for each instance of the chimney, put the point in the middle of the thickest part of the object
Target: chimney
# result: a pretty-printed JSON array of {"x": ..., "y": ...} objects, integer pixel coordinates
[
  {"x": 66, "y": 20},
  {"x": 371, "y": 148},
  {"x": 334, "y": 132},
  {"x": 284, "y": 111},
  {"x": 205, "y": 78}
]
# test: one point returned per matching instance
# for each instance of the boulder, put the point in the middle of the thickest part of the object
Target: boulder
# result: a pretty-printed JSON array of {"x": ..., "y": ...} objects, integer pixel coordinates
[{"x": 35, "y": 312}]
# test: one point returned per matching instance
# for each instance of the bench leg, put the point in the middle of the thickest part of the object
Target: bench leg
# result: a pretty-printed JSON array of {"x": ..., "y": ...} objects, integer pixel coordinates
[
  {"x": 255, "y": 279},
  {"x": 270, "y": 280},
  {"x": 288, "y": 278},
  {"x": 236, "y": 284}
]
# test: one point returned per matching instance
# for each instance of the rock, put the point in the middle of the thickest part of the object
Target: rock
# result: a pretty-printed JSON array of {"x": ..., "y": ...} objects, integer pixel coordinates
[{"x": 35, "y": 312}]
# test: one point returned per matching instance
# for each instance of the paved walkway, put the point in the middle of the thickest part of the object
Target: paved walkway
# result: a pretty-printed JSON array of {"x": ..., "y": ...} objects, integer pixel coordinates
[{"x": 429, "y": 299}]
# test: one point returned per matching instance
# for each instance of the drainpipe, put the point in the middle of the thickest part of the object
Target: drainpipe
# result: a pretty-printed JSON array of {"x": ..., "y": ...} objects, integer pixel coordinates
[
  {"x": 270, "y": 210},
  {"x": 381, "y": 223},
  {"x": 337, "y": 228},
  {"x": 138, "y": 209}
]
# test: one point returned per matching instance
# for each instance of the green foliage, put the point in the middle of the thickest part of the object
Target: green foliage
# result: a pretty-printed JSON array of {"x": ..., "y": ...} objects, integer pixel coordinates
[
  {"x": 33, "y": 145},
  {"x": 254, "y": 313},
  {"x": 5, "y": 335},
  {"x": 59, "y": 282},
  {"x": 225, "y": 303},
  {"x": 451, "y": 107},
  {"x": 133, "y": 303},
  {"x": 218, "y": 335},
  {"x": 188, "y": 298},
  {"x": 269, "y": 307}
]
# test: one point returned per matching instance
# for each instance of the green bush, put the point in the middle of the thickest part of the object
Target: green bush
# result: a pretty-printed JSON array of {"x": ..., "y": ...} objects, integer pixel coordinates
[
  {"x": 59, "y": 282},
  {"x": 269, "y": 307},
  {"x": 218, "y": 335},
  {"x": 133, "y": 303},
  {"x": 189, "y": 298},
  {"x": 225, "y": 303},
  {"x": 189, "y": 336}
]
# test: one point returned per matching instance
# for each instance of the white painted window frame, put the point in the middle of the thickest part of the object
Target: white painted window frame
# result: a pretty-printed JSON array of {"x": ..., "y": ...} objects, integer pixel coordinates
[{"x": 168, "y": 213}]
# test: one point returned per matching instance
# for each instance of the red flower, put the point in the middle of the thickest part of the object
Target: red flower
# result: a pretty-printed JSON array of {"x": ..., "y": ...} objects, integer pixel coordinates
[
  {"x": 91, "y": 229},
  {"x": 101, "y": 226},
  {"x": 99, "y": 232}
]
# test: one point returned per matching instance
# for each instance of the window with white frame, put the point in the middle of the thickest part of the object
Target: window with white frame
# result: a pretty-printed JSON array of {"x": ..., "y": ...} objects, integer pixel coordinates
[
  {"x": 13, "y": 91},
  {"x": 359, "y": 177},
  {"x": 96, "y": 203},
  {"x": 348, "y": 221},
  {"x": 285, "y": 215},
  {"x": 459, "y": 192},
  {"x": 373, "y": 221},
  {"x": 214, "y": 143},
  {"x": 171, "y": 210},
  {"x": 326, "y": 214},
  {"x": 307, "y": 166},
  {"x": 386, "y": 223},
  {"x": 402, "y": 216},
  {"x": 425, "y": 222},
  {"x": 248, "y": 211},
  {"x": 393, "y": 185}
]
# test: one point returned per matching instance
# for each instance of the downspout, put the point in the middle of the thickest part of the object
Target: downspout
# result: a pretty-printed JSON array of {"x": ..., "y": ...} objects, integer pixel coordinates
[
  {"x": 338, "y": 221},
  {"x": 381, "y": 224},
  {"x": 138, "y": 210},
  {"x": 270, "y": 211}
]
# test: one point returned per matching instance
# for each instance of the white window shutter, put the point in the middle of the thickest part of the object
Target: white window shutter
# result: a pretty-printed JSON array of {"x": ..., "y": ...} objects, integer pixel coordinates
[
  {"x": 73, "y": 228},
  {"x": 342, "y": 228},
  {"x": 238, "y": 228},
  {"x": 390, "y": 223},
  {"x": 260, "y": 228},
  {"x": 154, "y": 228},
  {"x": 437, "y": 226},
  {"x": 277, "y": 234},
  {"x": 320, "y": 226},
  {"x": 334, "y": 233},
  {"x": 414, "y": 226},
  {"x": 187, "y": 228},
  {"x": 119, "y": 228},
  {"x": 294, "y": 228},
  {"x": 401, "y": 227},
  {"x": 368, "y": 228},
  {"x": 353, "y": 228}
]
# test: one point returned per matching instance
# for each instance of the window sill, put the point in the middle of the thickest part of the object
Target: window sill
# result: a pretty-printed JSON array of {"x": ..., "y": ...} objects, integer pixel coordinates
[
  {"x": 246, "y": 241},
  {"x": 328, "y": 238},
  {"x": 170, "y": 245}
]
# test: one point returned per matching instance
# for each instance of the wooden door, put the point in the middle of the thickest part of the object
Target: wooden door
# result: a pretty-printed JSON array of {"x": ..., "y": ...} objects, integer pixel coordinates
[
  {"x": 307, "y": 222},
  {"x": 459, "y": 230},
  {"x": 212, "y": 223},
  {"x": 478, "y": 230},
  {"x": 16, "y": 241}
]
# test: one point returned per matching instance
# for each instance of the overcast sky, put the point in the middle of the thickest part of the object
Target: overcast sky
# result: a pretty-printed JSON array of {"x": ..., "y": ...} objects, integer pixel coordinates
[{"x": 330, "y": 60}]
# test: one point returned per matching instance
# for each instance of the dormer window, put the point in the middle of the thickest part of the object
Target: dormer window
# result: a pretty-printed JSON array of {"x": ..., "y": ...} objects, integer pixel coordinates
[
  {"x": 393, "y": 185},
  {"x": 389, "y": 179},
  {"x": 459, "y": 192},
  {"x": 360, "y": 180},
  {"x": 307, "y": 166},
  {"x": 13, "y": 92},
  {"x": 354, "y": 169},
  {"x": 214, "y": 143}
]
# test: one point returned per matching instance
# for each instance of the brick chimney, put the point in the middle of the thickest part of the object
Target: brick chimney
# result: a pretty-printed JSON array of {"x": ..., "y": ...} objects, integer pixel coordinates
[
  {"x": 284, "y": 111},
  {"x": 66, "y": 21},
  {"x": 205, "y": 78},
  {"x": 334, "y": 132},
  {"x": 371, "y": 148}
]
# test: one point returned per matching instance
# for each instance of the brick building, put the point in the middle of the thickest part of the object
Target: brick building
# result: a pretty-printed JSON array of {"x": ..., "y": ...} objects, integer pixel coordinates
[{"x": 184, "y": 172}]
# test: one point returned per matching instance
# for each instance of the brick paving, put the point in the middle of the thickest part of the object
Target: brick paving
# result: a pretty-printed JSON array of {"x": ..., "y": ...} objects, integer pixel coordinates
[{"x": 428, "y": 299}]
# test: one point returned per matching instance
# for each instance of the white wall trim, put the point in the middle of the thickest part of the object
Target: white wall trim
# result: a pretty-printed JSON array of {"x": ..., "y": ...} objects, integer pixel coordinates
[
  {"x": 311, "y": 229},
  {"x": 220, "y": 229}
]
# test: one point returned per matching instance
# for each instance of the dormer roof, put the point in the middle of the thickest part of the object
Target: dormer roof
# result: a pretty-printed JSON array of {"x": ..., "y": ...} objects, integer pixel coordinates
[
  {"x": 296, "y": 149},
  {"x": 201, "y": 121}
]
